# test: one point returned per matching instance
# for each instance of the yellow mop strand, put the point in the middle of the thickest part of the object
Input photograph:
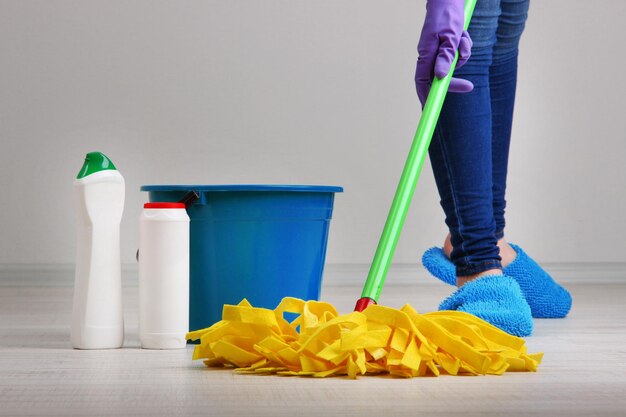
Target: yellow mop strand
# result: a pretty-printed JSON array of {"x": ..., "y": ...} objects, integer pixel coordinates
[{"x": 378, "y": 340}]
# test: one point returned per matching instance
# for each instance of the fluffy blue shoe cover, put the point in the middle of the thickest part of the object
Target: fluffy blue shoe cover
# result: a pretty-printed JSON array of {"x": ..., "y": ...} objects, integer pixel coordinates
[
  {"x": 546, "y": 298},
  {"x": 439, "y": 265},
  {"x": 496, "y": 299}
]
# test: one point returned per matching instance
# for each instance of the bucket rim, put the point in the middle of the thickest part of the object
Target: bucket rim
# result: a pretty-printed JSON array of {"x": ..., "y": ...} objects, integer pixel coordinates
[{"x": 245, "y": 187}]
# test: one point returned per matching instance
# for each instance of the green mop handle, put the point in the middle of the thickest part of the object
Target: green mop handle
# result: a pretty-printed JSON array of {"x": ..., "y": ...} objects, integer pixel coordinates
[{"x": 408, "y": 181}]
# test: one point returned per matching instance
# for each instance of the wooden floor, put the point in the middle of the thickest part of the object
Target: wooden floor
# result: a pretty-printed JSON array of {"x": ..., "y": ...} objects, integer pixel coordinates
[{"x": 583, "y": 373}]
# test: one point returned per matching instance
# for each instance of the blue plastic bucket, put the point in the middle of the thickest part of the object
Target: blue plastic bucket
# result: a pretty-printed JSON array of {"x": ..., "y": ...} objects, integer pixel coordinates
[{"x": 260, "y": 242}]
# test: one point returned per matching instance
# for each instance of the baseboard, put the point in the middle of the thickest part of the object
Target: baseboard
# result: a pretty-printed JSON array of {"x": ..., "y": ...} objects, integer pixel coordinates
[
  {"x": 52, "y": 275},
  {"x": 334, "y": 274},
  {"x": 574, "y": 273}
]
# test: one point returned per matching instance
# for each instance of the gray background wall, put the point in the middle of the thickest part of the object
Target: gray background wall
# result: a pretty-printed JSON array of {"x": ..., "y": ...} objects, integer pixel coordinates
[{"x": 302, "y": 92}]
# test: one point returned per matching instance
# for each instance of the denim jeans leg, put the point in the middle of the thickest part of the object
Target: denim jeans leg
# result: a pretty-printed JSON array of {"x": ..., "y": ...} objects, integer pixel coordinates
[
  {"x": 502, "y": 82},
  {"x": 461, "y": 154}
]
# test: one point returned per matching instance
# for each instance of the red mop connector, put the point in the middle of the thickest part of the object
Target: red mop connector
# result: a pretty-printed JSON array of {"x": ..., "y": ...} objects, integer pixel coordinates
[{"x": 363, "y": 303}]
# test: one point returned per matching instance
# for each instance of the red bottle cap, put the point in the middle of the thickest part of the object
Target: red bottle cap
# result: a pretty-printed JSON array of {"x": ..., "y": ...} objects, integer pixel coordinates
[{"x": 164, "y": 205}]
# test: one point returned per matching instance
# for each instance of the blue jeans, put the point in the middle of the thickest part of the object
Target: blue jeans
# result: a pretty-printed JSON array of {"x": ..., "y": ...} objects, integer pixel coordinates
[{"x": 470, "y": 148}]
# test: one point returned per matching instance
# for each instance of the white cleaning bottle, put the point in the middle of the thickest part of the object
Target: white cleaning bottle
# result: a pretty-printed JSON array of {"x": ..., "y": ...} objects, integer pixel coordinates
[
  {"x": 97, "y": 320},
  {"x": 163, "y": 276}
]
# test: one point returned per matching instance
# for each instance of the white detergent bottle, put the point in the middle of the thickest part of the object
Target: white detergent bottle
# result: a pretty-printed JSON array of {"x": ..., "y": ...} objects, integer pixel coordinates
[
  {"x": 97, "y": 319},
  {"x": 163, "y": 276}
]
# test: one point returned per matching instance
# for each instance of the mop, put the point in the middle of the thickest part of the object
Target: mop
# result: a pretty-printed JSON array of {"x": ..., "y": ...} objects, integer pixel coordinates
[{"x": 373, "y": 339}]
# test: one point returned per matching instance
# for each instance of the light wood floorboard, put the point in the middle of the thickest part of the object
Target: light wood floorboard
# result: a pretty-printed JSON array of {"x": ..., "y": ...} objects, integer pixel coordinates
[{"x": 583, "y": 373}]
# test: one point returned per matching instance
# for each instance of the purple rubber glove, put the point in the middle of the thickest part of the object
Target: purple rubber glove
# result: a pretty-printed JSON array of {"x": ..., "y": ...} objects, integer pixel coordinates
[{"x": 442, "y": 35}]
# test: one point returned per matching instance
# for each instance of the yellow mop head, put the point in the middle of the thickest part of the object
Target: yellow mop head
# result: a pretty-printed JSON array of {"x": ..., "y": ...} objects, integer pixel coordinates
[{"x": 378, "y": 340}]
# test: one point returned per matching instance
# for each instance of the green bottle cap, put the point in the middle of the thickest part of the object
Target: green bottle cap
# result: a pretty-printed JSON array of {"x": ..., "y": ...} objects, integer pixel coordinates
[{"x": 94, "y": 162}]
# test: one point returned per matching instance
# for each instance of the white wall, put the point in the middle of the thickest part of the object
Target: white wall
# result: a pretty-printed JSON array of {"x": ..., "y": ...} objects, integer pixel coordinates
[{"x": 297, "y": 92}]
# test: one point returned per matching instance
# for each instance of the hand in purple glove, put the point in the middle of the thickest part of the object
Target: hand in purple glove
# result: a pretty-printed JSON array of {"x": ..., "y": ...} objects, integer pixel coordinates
[{"x": 442, "y": 35}]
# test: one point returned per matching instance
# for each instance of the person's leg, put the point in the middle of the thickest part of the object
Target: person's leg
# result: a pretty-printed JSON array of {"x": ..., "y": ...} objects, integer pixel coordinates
[
  {"x": 461, "y": 155},
  {"x": 502, "y": 85},
  {"x": 503, "y": 82}
]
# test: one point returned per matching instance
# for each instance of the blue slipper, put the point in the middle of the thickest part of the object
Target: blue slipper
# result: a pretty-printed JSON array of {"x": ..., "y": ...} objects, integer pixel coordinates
[
  {"x": 439, "y": 265},
  {"x": 546, "y": 298},
  {"x": 496, "y": 299}
]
